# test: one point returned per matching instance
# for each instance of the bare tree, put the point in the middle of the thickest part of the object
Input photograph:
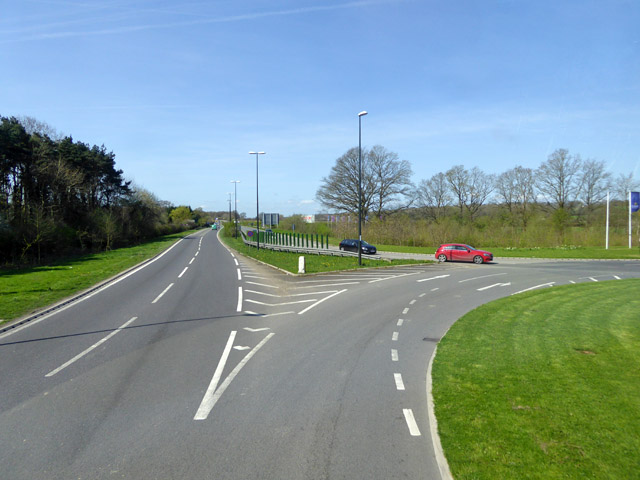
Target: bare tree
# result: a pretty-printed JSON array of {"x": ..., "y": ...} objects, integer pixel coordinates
[
  {"x": 392, "y": 178},
  {"x": 595, "y": 181},
  {"x": 386, "y": 184},
  {"x": 471, "y": 188},
  {"x": 625, "y": 184},
  {"x": 516, "y": 189},
  {"x": 558, "y": 179},
  {"x": 434, "y": 195}
]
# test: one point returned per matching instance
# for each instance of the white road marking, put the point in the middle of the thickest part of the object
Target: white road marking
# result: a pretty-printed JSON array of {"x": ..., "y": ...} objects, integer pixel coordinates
[
  {"x": 236, "y": 260},
  {"x": 411, "y": 422},
  {"x": 239, "y": 307},
  {"x": 279, "y": 304},
  {"x": 398, "y": 380},
  {"x": 394, "y": 337},
  {"x": 192, "y": 260},
  {"x": 239, "y": 275},
  {"x": 593, "y": 279},
  {"x": 400, "y": 320},
  {"x": 405, "y": 311},
  {"x": 263, "y": 315},
  {"x": 435, "y": 289},
  {"x": 92, "y": 347},
  {"x": 412, "y": 302},
  {"x": 422, "y": 295},
  {"x": 330, "y": 285},
  {"x": 393, "y": 276},
  {"x": 260, "y": 284},
  {"x": 394, "y": 355},
  {"x": 533, "y": 288},
  {"x": 253, "y": 330},
  {"x": 494, "y": 285},
  {"x": 616, "y": 277},
  {"x": 207, "y": 402},
  {"x": 183, "y": 272},
  {"x": 218, "y": 393},
  {"x": 163, "y": 292},
  {"x": 238, "y": 347},
  {"x": 291, "y": 295},
  {"x": 432, "y": 278},
  {"x": 197, "y": 253},
  {"x": 483, "y": 276},
  {"x": 96, "y": 292},
  {"x": 320, "y": 301}
]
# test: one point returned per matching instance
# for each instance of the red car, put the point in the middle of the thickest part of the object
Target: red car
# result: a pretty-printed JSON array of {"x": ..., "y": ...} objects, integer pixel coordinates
[{"x": 463, "y": 253}]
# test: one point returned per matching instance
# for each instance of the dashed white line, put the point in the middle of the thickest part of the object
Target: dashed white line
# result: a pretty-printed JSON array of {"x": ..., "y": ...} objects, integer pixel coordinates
[
  {"x": 239, "y": 275},
  {"x": 405, "y": 311},
  {"x": 236, "y": 260},
  {"x": 412, "y": 302},
  {"x": 183, "y": 272},
  {"x": 398, "y": 379},
  {"x": 593, "y": 279},
  {"x": 92, "y": 347},
  {"x": 432, "y": 278},
  {"x": 192, "y": 260},
  {"x": 394, "y": 355},
  {"x": 400, "y": 320},
  {"x": 163, "y": 292},
  {"x": 239, "y": 308},
  {"x": 394, "y": 337},
  {"x": 411, "y": 422}
]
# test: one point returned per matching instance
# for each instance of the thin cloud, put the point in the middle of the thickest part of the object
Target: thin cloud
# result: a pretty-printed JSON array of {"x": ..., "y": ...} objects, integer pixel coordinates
[{"x": 190, "y": 23}]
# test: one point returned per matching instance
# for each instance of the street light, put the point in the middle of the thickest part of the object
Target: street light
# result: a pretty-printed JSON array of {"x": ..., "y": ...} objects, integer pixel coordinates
[
  {"x": 360, "y": 115},
  {"x": 257, "y": 204},
  {"x": 235, "y": 202}
]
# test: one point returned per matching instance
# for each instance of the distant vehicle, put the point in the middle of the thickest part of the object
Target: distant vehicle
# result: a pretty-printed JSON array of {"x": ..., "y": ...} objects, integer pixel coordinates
[
  {"x": 214, "y": 226},
  {"x": 449, "y": 252},
  {"x": 352, "y": 246},
  {"x": 268, "y": 230}
]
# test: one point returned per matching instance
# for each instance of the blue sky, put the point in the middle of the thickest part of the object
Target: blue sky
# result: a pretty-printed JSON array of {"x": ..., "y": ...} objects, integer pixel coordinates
[{"x": 181, "y": 91}]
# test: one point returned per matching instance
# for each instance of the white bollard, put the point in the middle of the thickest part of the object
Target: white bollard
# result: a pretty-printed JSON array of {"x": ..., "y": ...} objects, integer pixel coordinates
[{"x": 301, "y": 265}]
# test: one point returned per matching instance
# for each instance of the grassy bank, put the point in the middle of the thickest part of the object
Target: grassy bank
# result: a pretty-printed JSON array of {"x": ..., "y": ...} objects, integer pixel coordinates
[
  {"x": 25, "y": 290},
  {"x": 538, "y": 386},
  {"x": 314, "y": 263}
]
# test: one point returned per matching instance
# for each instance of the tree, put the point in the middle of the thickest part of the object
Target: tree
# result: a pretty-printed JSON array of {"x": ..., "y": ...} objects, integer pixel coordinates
[
  {"x": 595, "y": 181},
  {"x": 385, "y": 183},
  {"x": 625, "y": 184},
  {"x": 471, "y": 187},
  {"x": 181, "y": 215},
  {"x": 392, "y": 179},
  {"x": 559, "y": 179},
  {"x": 515, "y": 188},
  {"x": 434, "y": 196}
]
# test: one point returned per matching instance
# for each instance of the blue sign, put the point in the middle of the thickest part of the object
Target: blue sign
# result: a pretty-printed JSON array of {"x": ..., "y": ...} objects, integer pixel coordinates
[{"x": 635, "y": 201}]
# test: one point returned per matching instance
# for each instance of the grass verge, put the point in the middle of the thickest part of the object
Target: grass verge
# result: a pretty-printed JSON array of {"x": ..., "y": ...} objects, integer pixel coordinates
[
  {"x": 314, "y": 263},
  {"x": 537, "y": 386},
  {"x": 25, "y": 290}
]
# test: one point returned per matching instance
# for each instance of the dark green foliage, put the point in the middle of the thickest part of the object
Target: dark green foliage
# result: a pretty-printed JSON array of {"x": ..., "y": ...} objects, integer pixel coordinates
[{"x": 62, "y": 196}]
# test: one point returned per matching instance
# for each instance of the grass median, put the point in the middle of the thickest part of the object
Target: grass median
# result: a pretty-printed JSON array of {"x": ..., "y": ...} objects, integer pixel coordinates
[
  {"x": 28, "y": 289},
  {"x": 543, "y": 385}
]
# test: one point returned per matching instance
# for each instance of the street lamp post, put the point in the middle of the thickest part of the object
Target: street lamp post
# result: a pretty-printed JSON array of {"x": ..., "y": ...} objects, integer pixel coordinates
[
  {"x": 257, "y": 204},
  {"x": 360, "y": 115},
  {"x": 235, "y": 202},
  {"x": 229, "y": 193}
]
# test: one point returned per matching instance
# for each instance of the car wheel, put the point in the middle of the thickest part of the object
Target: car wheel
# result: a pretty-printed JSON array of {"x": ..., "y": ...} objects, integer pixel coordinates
[
  {"x": 477, "y": 259},
  {"x": 442, "y": 257}
]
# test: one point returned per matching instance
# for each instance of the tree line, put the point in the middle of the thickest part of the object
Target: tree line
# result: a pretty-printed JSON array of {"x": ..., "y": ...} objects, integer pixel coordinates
[
  {"x": 59, "y": 196},
  {"x": 565, "y": 187}
]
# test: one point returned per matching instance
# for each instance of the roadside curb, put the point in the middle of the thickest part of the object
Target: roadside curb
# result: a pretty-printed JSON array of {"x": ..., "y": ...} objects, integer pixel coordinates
[{"x": 441, "y": 460}]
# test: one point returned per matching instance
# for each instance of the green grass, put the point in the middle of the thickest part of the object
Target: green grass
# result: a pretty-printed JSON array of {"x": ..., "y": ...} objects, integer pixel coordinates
[
  {"x": 537, "y": 386},
  {"x": 314, "y": 263},
  {"x": 25, "y": 290},
  {"x": 565, "y": 251}
]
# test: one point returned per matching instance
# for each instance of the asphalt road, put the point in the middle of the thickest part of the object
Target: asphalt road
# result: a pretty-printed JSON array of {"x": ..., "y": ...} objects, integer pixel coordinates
[{"x": 209, "y": 366}]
